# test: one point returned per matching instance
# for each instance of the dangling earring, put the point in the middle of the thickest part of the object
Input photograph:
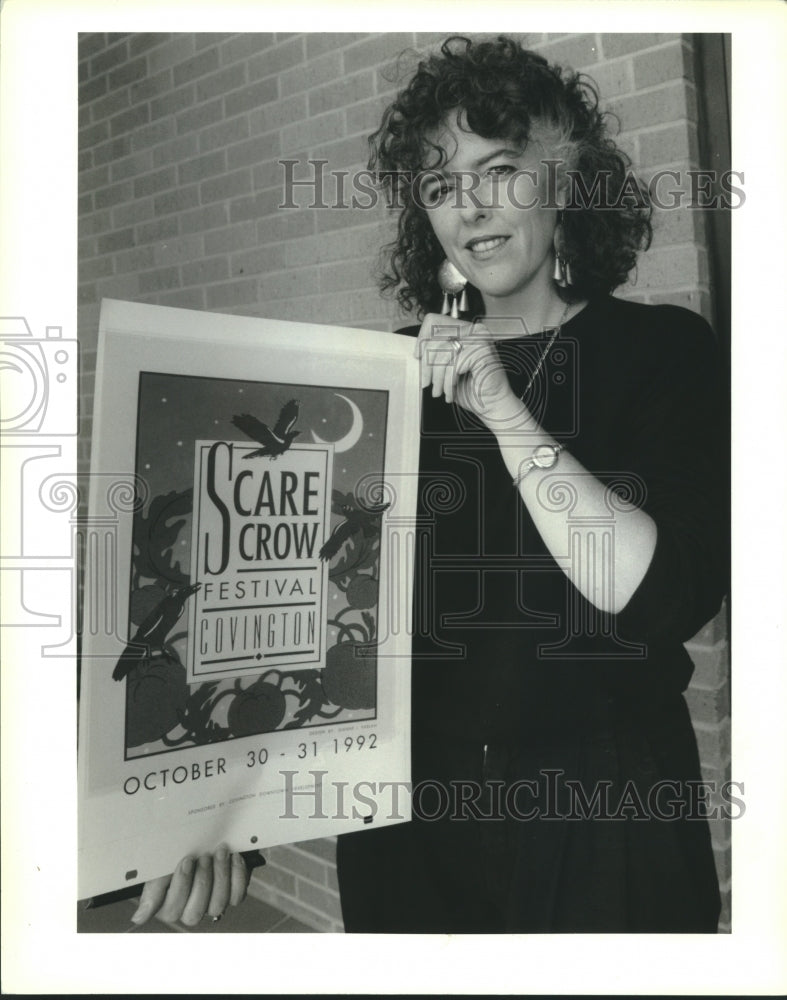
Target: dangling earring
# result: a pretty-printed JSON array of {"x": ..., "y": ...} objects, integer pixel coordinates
[
  {"x": 452, "y": 284},
  {"x": 562, "y": 272}
]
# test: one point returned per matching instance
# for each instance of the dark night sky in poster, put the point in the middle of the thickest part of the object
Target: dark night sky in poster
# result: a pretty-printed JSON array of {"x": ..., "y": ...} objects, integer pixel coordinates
[
  {"x": 164, "y": 712},
  {"x": 176, "y": 410}
]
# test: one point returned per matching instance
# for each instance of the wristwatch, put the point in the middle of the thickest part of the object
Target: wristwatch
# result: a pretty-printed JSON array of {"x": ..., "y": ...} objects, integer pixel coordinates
[{"x": 544, "y": 457}]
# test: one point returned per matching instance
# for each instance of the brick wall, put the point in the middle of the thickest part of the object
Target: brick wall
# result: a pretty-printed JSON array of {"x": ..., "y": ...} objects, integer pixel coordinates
[{"x": 179, "y": 186}]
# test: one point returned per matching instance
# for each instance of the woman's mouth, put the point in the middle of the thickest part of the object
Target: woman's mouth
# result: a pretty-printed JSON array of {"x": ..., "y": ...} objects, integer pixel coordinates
[{"x": 485, "y": 246}]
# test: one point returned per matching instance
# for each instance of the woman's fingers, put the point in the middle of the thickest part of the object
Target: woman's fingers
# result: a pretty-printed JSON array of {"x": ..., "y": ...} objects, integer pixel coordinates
[
  {"x": 445, "y": 354},
  {"x": 179, "y": 891},
  {"x": 461, "y": 363},
  {"x": 196, "y": 905},
  {"x": 220, "y": 892},
  {"x": 197, "y": 888},
  {"x": 153, "y": 895},
  {"x": 438, "y": 347},
  {"x": 239, "y": 879}
]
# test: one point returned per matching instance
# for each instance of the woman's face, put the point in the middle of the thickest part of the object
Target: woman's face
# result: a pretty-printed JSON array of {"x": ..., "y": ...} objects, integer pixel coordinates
[{"x": 493, "y": 220}]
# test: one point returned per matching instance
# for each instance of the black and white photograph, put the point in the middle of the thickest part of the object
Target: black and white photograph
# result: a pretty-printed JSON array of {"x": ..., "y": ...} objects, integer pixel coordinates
[{"x": 393, "y": 531}]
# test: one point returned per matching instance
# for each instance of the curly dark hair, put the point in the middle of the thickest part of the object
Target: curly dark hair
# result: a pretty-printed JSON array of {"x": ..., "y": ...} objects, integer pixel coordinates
[{"x": 503, "y": 90}]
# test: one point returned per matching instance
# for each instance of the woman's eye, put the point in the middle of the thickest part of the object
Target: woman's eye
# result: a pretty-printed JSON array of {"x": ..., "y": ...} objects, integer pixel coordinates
[
  {"x": 501, "y": 169},
  {"x": 436, "y": 194}
]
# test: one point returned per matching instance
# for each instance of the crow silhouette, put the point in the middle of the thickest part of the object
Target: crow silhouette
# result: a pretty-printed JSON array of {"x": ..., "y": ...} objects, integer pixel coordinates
[
  {"x": 274, "y": 442},
  {"x": 356, "y": 520},
  {"x": 152, "y": 633}
]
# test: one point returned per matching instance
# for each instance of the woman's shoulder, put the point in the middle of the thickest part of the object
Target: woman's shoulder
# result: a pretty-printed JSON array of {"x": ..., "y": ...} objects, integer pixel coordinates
[
  {"x": 665, "y": 319},
  {"x": 653, "y": 331},
  {"x": 409, "y": 331},
  {"x": 658, "y": 350}
]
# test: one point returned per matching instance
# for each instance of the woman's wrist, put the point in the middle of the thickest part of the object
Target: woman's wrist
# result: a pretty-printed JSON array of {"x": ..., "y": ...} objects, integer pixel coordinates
[{"x": 510, "y": 418}]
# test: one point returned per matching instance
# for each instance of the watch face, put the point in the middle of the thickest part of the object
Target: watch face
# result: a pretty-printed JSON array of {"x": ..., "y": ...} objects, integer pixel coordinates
[{"x": 545, "y": 456}]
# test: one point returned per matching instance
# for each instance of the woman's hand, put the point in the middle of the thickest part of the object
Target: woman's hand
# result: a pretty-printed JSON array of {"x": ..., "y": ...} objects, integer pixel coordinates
[
  {"x": 198, "y": 886},
  {"x": 459, "y": 361}
]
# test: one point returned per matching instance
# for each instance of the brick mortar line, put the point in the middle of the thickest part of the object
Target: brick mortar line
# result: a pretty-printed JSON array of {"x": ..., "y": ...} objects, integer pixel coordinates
[
  {"x": 308, "y": 854},
  {"x": 312, "y": 236},
  {"x": 277, "y": 865},
  {"x": 631, "y": 133},
  {"x": 329, "y": 83},
  {"x": 635, "y": 52},
  {"x": 300, "y": 299},
  {"x": 537, "y": 46},
  {"x": 628, "y": 133},
  {"x": 630, "y": 56},
  {"x": 86, "y": 59},
  {"x": 314, "y": 118},
  {"x": 645, "y": 130},
  {"x": 702, "y": 288},
  {"x": 226, "y": 147},
  {"x": 695, "y": 686},
  {"x": 705, "y": 647},
  {"x": 687, "y": 163},
  {"x": 174, "y": 89},
  {"x": 370, "y": 36},
  {"x": 649, "y": 91},
  {"x": 711, "y": 727},
  {"x": 678, "y": 246},
  {"x": 265, "y": 894},
  {"x": 320, "y": 265},
  {"x": 286, "y": 863}
]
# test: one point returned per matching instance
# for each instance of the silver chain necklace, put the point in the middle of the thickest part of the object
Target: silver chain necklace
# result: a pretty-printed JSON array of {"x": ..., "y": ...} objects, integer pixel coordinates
[{"x": 546, "y": 351}]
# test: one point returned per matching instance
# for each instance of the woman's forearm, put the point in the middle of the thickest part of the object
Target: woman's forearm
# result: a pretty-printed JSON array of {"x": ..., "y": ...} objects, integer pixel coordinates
[{"x": 604, "y": 548}]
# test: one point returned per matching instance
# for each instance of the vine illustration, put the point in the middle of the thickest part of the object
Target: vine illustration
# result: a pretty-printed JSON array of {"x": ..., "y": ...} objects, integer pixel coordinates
[
  {"x": 155, "y": 537},
  {"x": 349, "y": 678}
]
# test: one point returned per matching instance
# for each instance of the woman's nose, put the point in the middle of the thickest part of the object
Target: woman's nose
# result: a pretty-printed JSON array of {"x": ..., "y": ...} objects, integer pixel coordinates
[{"x": 476, "y": 198}]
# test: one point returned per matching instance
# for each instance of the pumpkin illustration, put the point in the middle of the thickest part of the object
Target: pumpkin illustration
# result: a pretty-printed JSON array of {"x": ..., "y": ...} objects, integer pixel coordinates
[
  {"x": 349, "y": 678},
  {"x": 156, "y": 691},
  {"x": 259, "y": 708},
  {"x": 362, "y": 592}
]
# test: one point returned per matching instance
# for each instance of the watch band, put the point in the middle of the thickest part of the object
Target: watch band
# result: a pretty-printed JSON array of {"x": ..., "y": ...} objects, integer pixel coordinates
[{"x": 543, "y": 457}]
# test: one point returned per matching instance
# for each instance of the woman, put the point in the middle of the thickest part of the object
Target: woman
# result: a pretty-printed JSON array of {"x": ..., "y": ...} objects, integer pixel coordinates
[
  {"x": 582, "y": 542},
  {"x": 571, "y": 531}
]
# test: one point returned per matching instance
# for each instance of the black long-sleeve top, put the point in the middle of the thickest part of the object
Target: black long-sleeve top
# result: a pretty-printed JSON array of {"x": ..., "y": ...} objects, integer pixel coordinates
[{"x": 505, "y": 648}]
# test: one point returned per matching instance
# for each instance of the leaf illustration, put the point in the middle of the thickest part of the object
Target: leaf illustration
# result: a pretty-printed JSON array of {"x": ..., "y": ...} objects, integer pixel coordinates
[
  {"x": 195, "y": 715},
  {"x": 155, "y": 536},
  {"x": 369, "y": 623},
  {"x": 359, "y": 553}
]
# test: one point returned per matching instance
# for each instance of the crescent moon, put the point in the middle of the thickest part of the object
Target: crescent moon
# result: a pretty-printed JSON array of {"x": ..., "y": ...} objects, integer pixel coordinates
[{"x": 353, "y": 436}]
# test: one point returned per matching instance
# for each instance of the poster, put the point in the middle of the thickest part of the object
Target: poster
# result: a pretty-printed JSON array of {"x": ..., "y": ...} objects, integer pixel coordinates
[{"x": 248, "y": 554}]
